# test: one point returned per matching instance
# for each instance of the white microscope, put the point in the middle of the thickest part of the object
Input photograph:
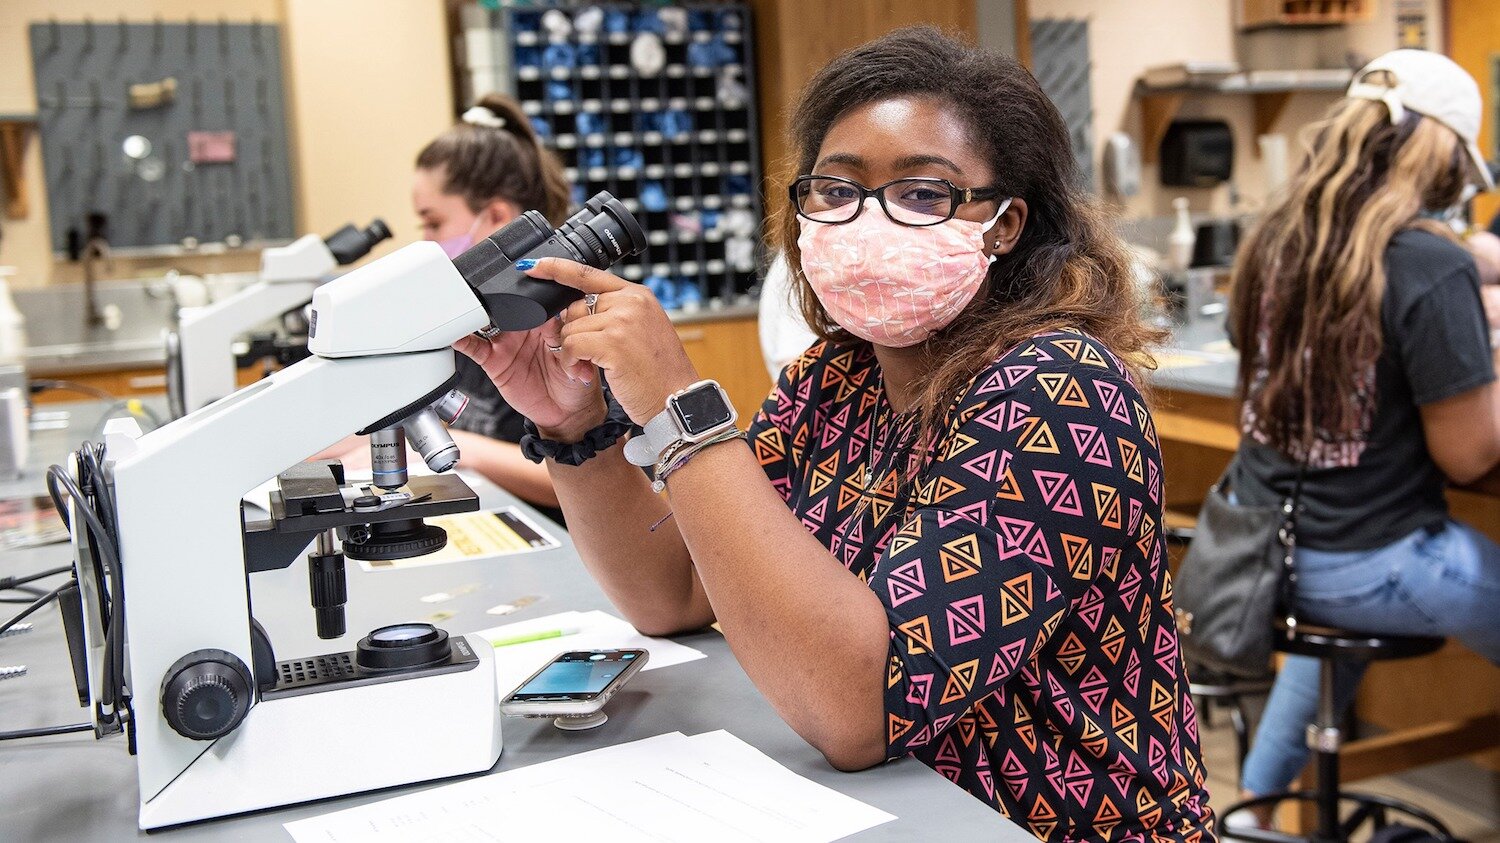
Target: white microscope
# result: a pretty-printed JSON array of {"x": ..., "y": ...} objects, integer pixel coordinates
[
  {"x": 201, "y": 361},
  {"x": 167, "y": 648}
]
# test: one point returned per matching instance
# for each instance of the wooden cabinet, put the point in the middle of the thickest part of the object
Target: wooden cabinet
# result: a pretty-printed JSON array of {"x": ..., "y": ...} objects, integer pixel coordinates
[
  {"x": 729, "y": 352},
  {"x": 1471, "y": 29},
  {"x": 794, "y": 38},
  {"x": 123, "y": 383},
  {"x": 1255, "y": 14}
]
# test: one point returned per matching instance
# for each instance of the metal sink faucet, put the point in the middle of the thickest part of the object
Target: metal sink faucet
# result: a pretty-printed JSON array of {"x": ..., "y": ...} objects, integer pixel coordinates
[{"x": 95, "y": 249}]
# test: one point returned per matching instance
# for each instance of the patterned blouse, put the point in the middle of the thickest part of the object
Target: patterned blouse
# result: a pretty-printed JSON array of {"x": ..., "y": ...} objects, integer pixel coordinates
[{"x": 1033, "y": 656}]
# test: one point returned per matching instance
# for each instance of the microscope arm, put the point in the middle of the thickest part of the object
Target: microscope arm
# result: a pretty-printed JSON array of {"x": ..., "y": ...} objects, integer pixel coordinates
[
  {"x": 384, "y": 338},
  {"x": 217, "y": 729},
  {"x": 202, "y": 351},
  {"x": 206, "y": 335}
]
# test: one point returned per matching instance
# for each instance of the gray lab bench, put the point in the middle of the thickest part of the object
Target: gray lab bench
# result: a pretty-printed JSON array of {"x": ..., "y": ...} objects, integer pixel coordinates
[
  {"x": 75, "y": 788},
  {"x": 1198, "y": 359},
  {"x": 63, "y": 343}
]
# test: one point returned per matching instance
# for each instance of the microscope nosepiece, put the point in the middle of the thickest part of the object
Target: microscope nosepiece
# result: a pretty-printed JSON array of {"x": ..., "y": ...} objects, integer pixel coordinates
[{"x": 428, "y": 437}]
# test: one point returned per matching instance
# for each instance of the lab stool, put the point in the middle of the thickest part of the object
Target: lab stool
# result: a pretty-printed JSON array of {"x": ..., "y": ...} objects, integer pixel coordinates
[
  {"x": 1211, "y": 689},
  {"x": 1324, "y": 738}
]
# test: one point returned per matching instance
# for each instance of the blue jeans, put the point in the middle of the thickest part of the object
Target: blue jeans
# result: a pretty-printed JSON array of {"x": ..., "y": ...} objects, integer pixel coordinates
[{"x": 1445, "y": 583}]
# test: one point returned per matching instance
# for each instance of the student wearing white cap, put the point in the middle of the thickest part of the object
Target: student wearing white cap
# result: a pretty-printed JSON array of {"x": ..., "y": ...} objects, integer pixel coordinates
[{"x": 1367, "y": 364}]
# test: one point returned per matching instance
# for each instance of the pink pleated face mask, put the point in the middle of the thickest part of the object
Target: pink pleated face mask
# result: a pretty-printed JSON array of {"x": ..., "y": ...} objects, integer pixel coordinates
[
  {"x": 894, "y": 285},
  {"x": 455, "y": 246}
]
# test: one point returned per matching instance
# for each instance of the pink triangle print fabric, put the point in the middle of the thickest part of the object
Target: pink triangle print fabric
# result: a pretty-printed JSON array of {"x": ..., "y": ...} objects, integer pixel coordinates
[{"x": 1033, "y": 657}]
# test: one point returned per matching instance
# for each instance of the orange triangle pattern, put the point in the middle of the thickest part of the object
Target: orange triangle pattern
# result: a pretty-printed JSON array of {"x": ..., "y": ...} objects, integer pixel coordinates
[{"x": 1012, "y": 569}]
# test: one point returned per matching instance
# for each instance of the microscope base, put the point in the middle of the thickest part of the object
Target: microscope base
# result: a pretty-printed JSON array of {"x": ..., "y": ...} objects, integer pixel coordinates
[{"x": 353, "y": 739}]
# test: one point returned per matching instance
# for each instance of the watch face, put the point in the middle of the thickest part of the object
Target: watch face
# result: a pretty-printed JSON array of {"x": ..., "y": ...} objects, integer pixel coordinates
[{"x": 702, "y": 409}]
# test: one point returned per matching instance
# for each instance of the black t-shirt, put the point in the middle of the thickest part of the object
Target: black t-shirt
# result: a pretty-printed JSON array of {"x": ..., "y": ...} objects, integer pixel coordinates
[
  {"x": 1435, "y": 346},
  {"x": 489, "y": 415}
]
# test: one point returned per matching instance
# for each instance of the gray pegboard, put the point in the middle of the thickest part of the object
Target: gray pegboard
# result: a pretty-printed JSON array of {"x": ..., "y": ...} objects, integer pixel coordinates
[
  {"x": 227, "y": 79},
  {"x": 1060, "y": 55},
  {"x": 695, "y": 186}
]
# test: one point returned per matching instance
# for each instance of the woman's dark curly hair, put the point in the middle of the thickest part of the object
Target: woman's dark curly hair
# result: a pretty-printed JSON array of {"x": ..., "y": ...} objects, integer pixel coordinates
[{"x": 1067, "y": 270}]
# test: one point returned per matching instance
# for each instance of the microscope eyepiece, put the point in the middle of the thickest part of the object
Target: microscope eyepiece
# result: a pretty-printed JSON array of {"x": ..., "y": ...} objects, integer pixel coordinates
[
  {"x": 600, "y": 234},
  {"x": 527, "y": 232},
  {"x": 349, "y": 243},
  {"x": 607, "y": 235}
]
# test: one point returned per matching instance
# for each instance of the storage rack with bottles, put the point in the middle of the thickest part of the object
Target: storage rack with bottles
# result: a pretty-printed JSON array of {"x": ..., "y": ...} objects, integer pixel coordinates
[{"x": 678, "y": 145}]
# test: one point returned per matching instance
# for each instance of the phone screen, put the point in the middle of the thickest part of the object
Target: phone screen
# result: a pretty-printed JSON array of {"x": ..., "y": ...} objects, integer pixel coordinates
[{"x": 576, "y": 675}]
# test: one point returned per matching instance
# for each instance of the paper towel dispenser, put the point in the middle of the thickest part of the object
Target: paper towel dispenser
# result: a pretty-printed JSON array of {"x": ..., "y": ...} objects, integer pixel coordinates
[{"x": 1197, "y": 153}]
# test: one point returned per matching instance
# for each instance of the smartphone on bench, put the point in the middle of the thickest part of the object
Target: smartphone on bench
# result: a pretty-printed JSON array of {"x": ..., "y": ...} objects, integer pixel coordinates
[{"x": 575, "y": 683}]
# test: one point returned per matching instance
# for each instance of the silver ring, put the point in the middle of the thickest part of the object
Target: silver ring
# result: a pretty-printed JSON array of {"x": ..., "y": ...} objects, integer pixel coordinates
[
  {"x": 591, "y": 301},
  {"x": 555, "y": 349}
]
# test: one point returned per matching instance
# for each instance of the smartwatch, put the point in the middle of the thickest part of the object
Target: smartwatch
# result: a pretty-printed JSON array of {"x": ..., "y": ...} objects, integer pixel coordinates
[{"x": 699, "y": 412}]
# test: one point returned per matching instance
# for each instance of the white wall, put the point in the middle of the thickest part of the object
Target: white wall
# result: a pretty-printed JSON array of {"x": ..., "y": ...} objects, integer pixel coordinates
[
  {"x": 1129, "y": 36},
  {"x": 369, "y": 83}
]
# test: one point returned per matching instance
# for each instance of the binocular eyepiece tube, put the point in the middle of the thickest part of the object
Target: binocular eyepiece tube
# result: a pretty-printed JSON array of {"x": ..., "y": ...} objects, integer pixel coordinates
[{"x": 601, "y": 234}]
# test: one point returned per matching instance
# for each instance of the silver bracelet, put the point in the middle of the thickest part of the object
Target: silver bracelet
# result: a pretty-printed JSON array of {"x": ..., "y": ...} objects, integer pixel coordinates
[{"x": 680, "y": 453}]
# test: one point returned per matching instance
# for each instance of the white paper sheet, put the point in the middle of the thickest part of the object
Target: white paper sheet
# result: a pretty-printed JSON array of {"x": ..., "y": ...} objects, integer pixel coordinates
[
  {"x": 667, "y": 789},
  {"x": 596, "y": 631}
]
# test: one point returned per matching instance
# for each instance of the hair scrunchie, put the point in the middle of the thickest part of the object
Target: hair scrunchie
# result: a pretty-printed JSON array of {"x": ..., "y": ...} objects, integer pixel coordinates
[{"x": 482, "y": 116}]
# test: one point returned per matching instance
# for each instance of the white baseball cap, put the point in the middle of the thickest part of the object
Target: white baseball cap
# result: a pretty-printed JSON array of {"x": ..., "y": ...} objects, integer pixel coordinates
[{"x": 1434, "y": 86}]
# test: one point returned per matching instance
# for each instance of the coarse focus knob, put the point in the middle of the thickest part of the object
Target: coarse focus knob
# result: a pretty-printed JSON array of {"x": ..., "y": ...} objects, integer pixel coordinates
[{"x": 205, "y": 694}]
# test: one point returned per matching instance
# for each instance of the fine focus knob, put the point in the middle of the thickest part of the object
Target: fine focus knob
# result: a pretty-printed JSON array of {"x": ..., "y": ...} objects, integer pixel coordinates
[{"x": 205, "y": 694}]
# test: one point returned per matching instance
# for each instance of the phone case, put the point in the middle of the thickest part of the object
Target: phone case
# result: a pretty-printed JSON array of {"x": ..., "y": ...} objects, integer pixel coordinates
[{"x": 571, "y": 708}]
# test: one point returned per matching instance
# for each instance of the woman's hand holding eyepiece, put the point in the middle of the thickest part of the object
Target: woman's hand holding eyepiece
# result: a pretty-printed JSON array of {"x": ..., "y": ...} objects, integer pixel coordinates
[
  {"x": 626, "y": 333},
  {"x": 562, "y": 398}
]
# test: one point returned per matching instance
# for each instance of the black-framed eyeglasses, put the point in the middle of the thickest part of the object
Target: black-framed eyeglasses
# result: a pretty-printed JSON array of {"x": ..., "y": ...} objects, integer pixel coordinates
[{"x": 915, "y": 202}]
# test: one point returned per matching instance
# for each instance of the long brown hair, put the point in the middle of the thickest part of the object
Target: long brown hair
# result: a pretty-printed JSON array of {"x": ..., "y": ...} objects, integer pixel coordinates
[
  {"x": 1067, "y": 270},
  {"x": 1310, "y": 278},
  {"x": 485, "y": 163}
]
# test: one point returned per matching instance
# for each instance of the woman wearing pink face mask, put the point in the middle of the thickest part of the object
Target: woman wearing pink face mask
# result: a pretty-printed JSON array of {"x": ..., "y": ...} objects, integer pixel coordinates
[
  {"x": 940, "y": 536},
  {"x": 470, "y": 181}
]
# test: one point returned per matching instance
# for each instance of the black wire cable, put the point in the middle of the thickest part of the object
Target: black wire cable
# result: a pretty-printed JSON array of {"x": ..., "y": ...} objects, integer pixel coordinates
[
  {"x": 24, "y": 589},
  {"x": 19, "y": 584},
  {"x": 92, "y": 457},
  {"x": 104, "y": 543},
  {"x": 8, "y": 583},
  {"x": 44, "y": 384},
  {"x": 47, "y": 730},
  {"x": 36, "y": 604}
]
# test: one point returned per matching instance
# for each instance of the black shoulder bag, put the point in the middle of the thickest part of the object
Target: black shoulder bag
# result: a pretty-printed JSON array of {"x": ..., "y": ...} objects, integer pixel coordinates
[{"x": 1238, "y": 573}]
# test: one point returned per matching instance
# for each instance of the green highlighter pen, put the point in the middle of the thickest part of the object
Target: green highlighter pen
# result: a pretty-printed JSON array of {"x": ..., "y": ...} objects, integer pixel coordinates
[{"x": 534, "y": 636}]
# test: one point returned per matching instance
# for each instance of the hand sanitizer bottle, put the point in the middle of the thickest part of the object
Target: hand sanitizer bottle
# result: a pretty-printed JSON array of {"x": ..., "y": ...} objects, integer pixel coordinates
[{"x": 1180, "y": 243}]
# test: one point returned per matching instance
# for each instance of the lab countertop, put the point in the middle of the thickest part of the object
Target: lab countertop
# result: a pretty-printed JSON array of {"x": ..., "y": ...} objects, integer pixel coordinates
[
  {"x": 1198, "y": 359},
  {"x": 725, "y": 313},
  {"x": 60, "y": 340},
  {"x": 75, "y": 788}
]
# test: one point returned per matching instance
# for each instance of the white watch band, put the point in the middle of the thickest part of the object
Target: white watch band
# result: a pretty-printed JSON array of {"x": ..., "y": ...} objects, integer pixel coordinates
[{"x": 644, "y": 448}]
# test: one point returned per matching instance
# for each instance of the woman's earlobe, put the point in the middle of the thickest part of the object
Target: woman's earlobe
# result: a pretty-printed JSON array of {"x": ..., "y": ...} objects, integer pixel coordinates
[
  {"x": 501, "y": 212},
  {"x": 1007, "y": 231}
]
